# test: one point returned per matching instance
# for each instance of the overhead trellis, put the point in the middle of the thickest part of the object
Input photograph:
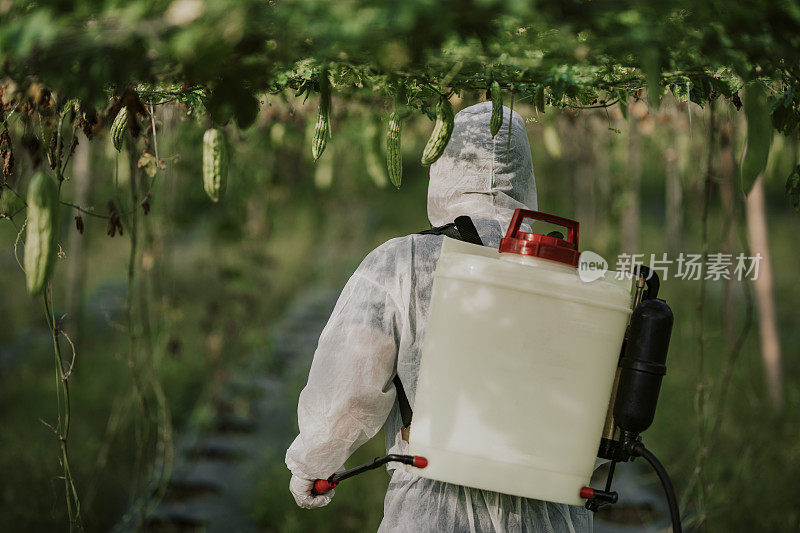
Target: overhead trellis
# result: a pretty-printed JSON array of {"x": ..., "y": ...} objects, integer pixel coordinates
[
  {"x": 580, "y": 51},
  {"x": 219, "y": 57},
  {"x": 84, "y": 61}
]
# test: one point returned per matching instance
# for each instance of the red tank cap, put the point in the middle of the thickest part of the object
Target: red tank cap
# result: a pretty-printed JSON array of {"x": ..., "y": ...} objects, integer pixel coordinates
[
  {"x": 420, "y": 462},
  {"x": 587, "y": 493},
  {"x": 544, "y": 246}
]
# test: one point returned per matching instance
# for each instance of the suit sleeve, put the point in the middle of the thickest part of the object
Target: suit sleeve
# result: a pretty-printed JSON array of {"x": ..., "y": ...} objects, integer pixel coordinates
[{"x": 349, "y": 392}]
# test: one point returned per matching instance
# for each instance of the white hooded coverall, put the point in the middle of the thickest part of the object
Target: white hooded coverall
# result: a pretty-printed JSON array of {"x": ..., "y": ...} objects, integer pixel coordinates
[{"x": 378, "y": 327}]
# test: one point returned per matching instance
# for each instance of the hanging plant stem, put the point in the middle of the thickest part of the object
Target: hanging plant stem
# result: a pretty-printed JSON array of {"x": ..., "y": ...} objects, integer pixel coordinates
[
  {"x": 698, "y": 478},
  {"x": 153, "y": 425},
  {"x": 61, "y": 429}
]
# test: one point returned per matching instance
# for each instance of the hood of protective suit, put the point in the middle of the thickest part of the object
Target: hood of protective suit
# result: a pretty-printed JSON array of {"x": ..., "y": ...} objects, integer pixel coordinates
[{"x": 479, "y": 175}]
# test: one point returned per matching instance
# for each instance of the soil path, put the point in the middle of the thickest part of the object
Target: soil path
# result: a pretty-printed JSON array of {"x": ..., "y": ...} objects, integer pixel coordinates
[{"x": 217, "y": 469}]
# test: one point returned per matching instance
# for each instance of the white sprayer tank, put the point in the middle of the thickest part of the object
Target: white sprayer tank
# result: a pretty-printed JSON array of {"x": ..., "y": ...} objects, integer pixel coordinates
[{"x": 517, "y": 365}]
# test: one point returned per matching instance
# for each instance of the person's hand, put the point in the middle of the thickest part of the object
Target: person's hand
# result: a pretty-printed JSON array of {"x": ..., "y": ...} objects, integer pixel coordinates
[{"x": 300, "y": 487}]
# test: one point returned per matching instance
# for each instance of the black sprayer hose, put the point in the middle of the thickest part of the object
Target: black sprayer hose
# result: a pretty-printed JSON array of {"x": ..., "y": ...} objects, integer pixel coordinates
[{"x": 672, "y": 500}]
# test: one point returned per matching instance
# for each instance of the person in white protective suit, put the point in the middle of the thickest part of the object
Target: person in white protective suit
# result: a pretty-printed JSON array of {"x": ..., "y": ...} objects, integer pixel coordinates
[{"x": 377, "y": 329}]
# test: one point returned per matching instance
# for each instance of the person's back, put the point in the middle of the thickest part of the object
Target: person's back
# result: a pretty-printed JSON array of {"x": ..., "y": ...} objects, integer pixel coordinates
[{"x": 378, "y": 327}]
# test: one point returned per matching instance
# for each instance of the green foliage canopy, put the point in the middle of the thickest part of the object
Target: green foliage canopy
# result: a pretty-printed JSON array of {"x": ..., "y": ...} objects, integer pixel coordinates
[
  {"x": 219, "y": 56},
  {"x": 582, "y": 51}
]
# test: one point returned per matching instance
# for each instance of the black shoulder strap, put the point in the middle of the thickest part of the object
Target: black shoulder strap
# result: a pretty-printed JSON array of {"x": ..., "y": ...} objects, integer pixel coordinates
[
  {"x": 405, "y": 408},
  {"x": 467, "y": 230},
  {"x": 449, "y": 230},
  {"x": 462, "y": 229}
]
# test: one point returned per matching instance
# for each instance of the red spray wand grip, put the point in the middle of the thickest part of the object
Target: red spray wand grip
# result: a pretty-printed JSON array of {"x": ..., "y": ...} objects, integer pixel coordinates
[{"x": 321, "y": 486}]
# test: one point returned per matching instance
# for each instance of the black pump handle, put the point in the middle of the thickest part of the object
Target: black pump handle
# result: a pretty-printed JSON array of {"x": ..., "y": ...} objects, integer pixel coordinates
[{"x": 650, "y": 279}]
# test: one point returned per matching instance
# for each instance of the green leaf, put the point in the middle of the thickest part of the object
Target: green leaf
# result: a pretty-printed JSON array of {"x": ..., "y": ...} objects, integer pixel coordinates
[
  {"x": 220, "y": 105},
  {"x": 785, "y": 113},
  {"x": 623, "y": 105},
  {"x": 652, "y": 72},
  {"x": 10, "y": 203},
  {"x": 245, "y": 110},
  {"x": 759, "y": 134},
  {"x": 793, "y": 188},
  {"x": 231, "y": 100}
]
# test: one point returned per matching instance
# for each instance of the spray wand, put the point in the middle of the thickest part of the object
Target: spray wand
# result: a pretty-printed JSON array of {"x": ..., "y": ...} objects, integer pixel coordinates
[{"x": 321, "y": 486}]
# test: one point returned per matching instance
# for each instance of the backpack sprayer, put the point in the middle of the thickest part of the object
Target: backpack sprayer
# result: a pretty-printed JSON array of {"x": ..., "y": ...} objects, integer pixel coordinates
[{"x": 529, "y": 423}]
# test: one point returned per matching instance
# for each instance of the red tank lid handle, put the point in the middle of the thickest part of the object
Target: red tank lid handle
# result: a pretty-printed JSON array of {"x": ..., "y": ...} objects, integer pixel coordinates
[{"x": 520, "y": 215}]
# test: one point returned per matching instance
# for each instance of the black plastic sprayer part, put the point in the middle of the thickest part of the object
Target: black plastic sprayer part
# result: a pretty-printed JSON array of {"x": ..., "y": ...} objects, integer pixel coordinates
[
  {"x": 647, "y": 286},
  {"x": 651, "y": 280},
  {"x": 642, "y": 367},
  {"x": 640, "y": 371}
]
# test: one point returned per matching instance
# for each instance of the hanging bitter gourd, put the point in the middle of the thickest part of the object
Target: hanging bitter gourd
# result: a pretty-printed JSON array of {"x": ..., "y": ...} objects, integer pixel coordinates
[
  {"x": 394, "y": 160},
  {"x": 215, "y": 163},
  {"x": 118, "y": 128},
  {"x": 322, "y": 126},
  {"x": 497, "y": 108},
  {"x": 441, "y": 132},
  {"x": 41, "y": 237}
]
